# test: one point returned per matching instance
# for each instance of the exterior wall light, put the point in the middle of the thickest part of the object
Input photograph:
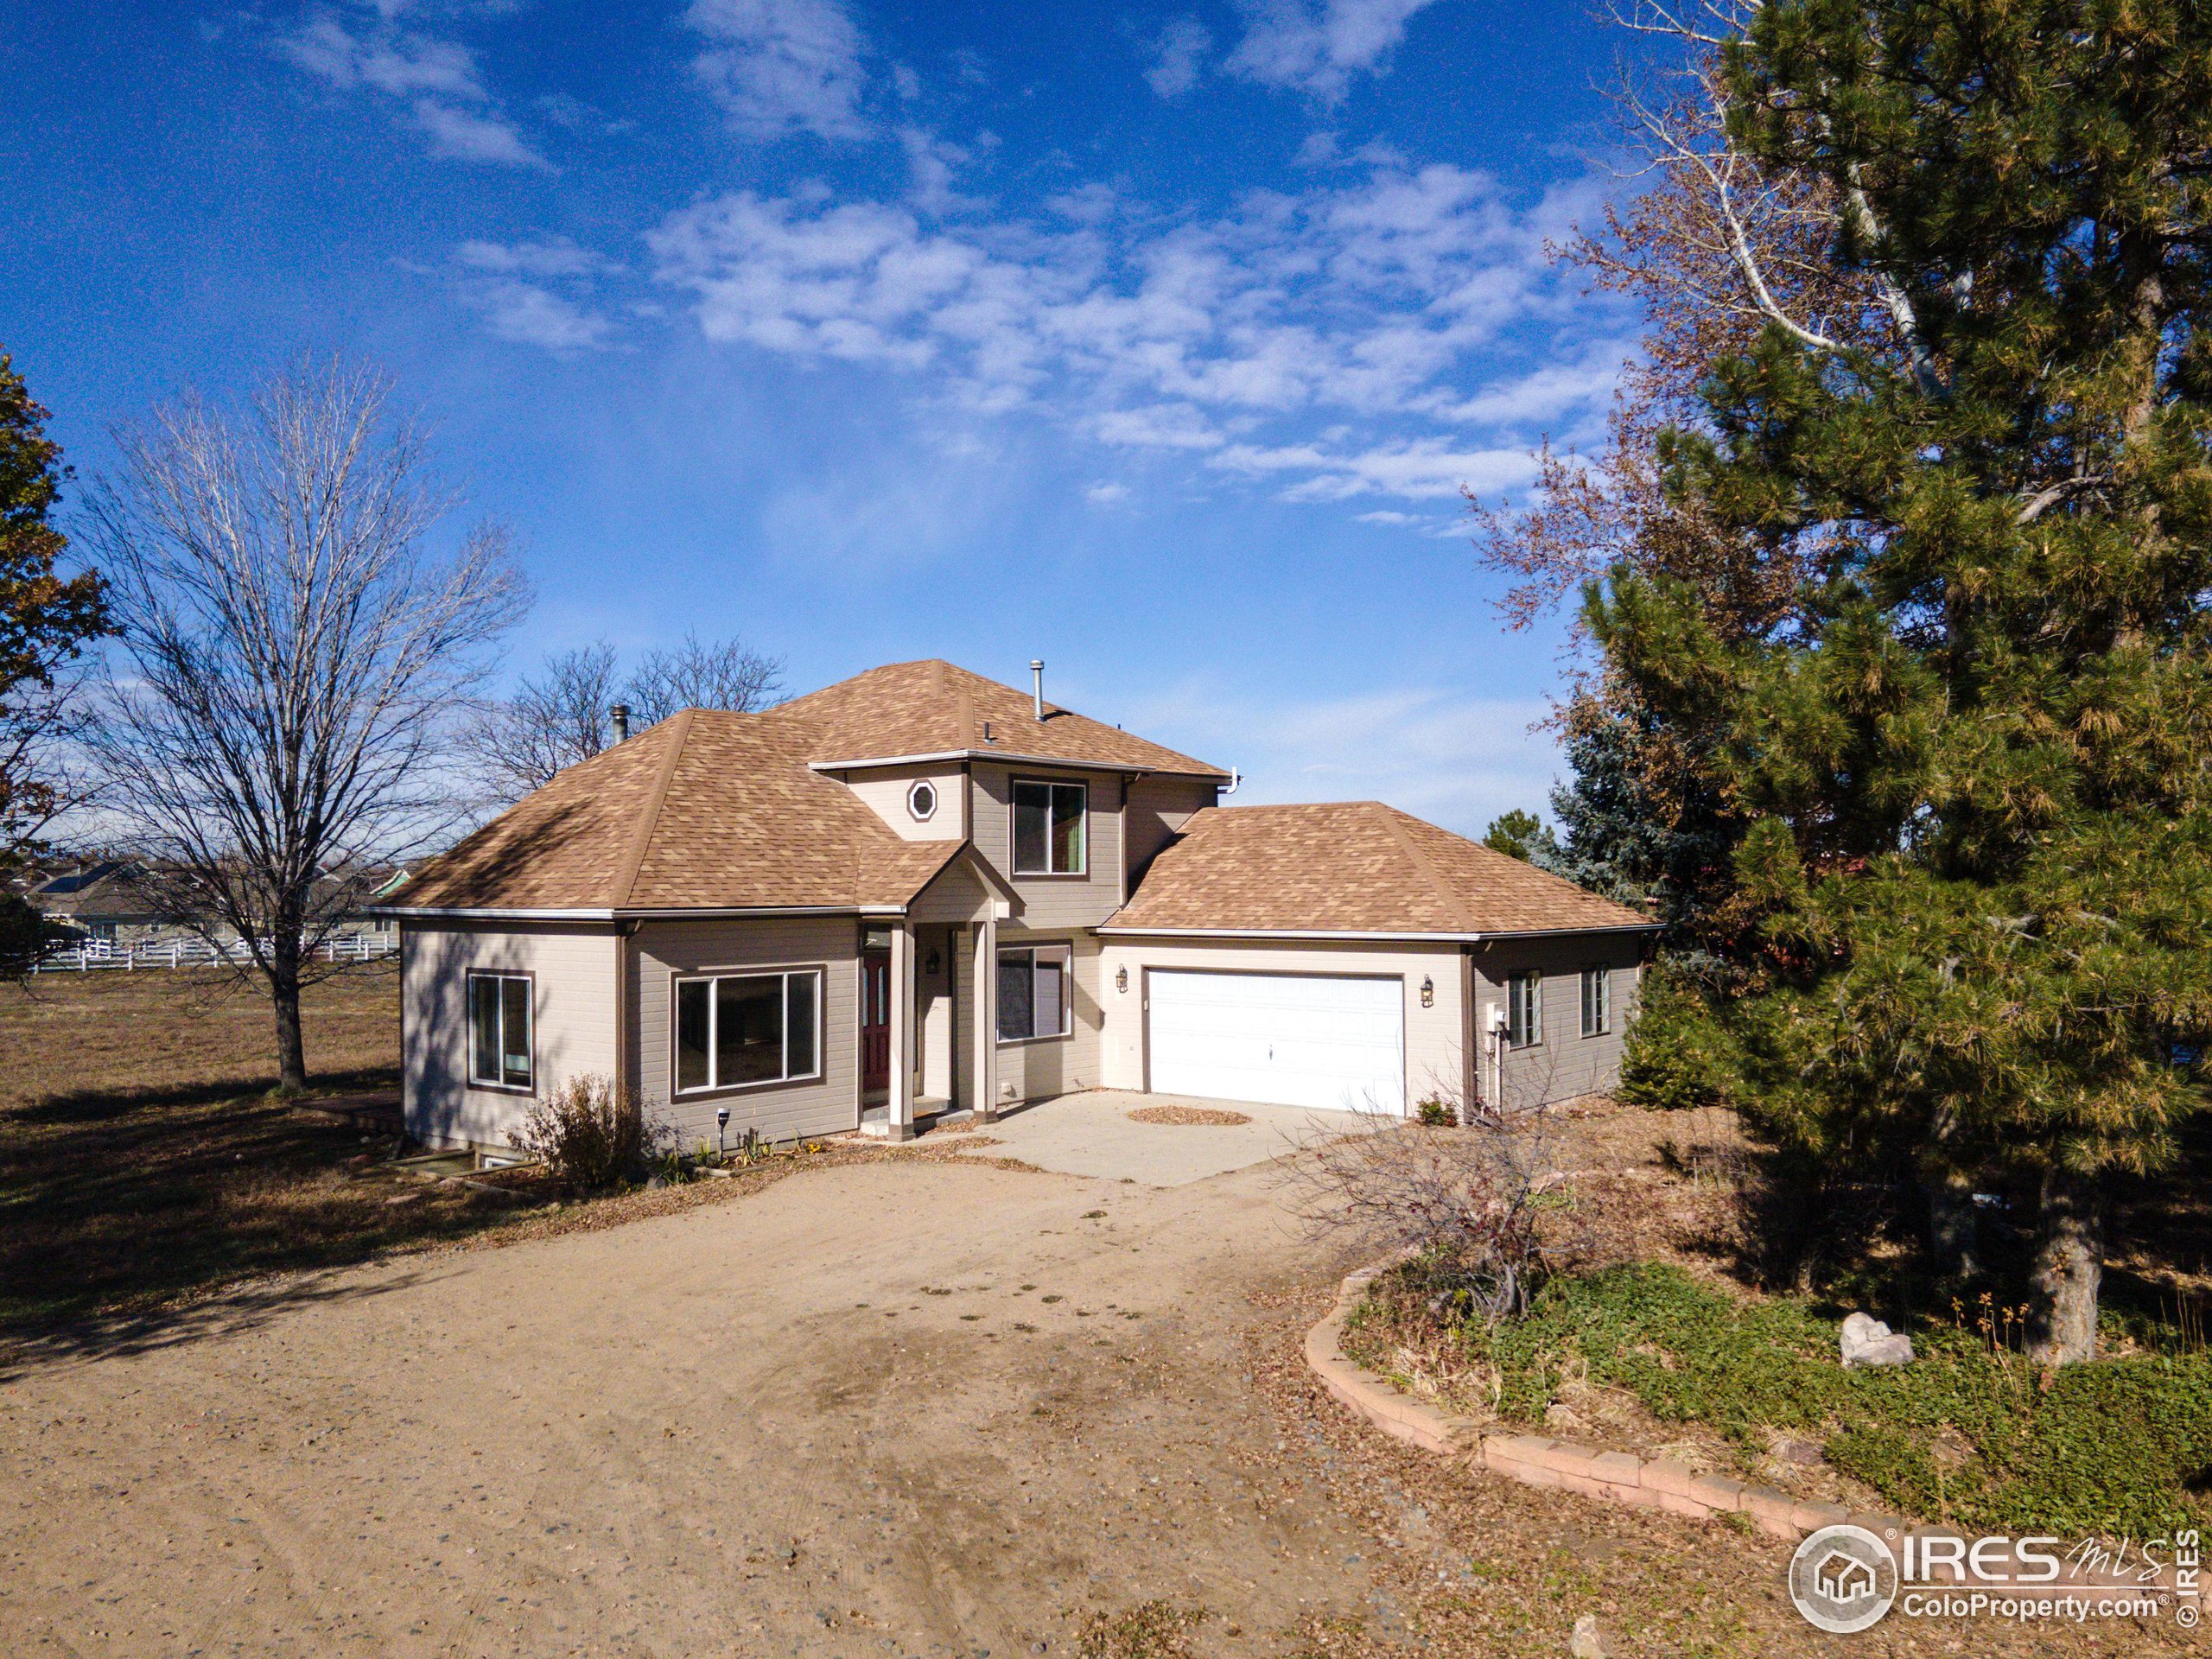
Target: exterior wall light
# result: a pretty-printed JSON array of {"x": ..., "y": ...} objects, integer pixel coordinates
[
  {"x": 1427, "y": 992},
  {"x": 935, "y": 964},
  {"x": 1122, "y": 979}
]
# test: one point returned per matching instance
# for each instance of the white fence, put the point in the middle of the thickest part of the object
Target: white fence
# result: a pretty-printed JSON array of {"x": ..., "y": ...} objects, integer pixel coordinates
[{"x": 92, "y": 956}]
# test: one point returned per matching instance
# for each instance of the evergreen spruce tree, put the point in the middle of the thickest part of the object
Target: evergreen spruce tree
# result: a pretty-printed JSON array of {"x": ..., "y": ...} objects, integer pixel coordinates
[{"x": 1976, "y": 757}]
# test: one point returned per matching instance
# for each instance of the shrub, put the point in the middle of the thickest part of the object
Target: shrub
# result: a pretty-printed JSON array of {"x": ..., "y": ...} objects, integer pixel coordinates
[
  {"x": 1486, "y": 1213},
  {"x": 589, "y": 1133},
  {"x": 1667, "y": 1061},
  {"x": 1437, "y": 1113}
]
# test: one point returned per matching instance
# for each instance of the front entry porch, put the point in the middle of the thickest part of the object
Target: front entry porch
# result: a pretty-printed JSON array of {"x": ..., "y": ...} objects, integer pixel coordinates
[{"x": 929, "y": 986}]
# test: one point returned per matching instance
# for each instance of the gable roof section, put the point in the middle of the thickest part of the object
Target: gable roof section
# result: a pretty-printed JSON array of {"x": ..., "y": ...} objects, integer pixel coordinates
[
  {"x": 932, "y": 708},
  {"x": 706, "y": 810},
  {"x": 1349, "y": 867}
]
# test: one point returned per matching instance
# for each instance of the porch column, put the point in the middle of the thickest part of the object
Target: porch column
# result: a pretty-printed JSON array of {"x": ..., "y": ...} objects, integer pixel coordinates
[
  {"x": 986, "y": 998},
  {"x": 900, "y": 1109}
]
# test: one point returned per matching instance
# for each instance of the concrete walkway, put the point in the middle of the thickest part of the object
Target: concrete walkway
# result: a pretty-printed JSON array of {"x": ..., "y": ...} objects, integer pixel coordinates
[{"x": 1093, "y": 1135}]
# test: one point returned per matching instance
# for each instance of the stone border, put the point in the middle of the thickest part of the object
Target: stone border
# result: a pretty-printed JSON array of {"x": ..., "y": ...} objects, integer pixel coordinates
[{"x": 1533, "y": 1461}]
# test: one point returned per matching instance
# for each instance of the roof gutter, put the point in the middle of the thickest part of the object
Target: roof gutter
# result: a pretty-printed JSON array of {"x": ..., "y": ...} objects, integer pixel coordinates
[
  {"x": 1003, "y": 754},
  {"x": 1362, "y": 935},
  {"x": 463, "y": 912}
]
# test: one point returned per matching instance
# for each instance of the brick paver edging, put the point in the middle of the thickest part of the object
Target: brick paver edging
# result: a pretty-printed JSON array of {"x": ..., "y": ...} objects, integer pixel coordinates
[{"x": 1616, "y": 1477}]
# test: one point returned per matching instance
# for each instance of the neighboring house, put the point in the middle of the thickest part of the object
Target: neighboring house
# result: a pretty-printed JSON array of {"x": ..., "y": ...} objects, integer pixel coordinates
[
  {"x": 102, "y": 900},
  {"x": 112, "y": 902},
  {"x": 918, "y": 891}
]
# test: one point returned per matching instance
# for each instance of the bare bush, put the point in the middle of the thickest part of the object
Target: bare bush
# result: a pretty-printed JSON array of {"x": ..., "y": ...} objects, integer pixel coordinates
[
  {"x": 589, "y": 1132},
  {"x": 1483, "y": 1207}
]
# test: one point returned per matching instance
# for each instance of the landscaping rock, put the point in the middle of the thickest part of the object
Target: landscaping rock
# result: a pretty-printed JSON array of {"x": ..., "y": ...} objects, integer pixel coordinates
[
  {"x": 1586, "y": 1643},
  {"x": 1807, "y": 1452},
  {"x": 1866, "y": 1341}
]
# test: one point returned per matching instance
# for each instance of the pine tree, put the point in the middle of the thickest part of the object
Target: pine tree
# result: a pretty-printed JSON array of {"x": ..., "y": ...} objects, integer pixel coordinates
[{"x": 1975, "y": 760}]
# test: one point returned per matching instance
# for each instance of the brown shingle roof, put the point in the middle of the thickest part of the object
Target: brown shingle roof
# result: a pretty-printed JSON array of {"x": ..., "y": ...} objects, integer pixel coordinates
[
  {"x": 1350, "y": 867},
  {"x": 705, "y": 811},
  {"x": 933, "y": 708}
]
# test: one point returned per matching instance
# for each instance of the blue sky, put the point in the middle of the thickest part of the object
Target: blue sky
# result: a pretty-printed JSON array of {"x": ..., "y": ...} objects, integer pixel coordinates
[{"x": 1156, "y": 341}]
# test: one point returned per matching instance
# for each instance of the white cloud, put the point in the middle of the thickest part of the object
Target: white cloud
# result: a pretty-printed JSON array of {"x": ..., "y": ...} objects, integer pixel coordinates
[
  {"x": 517, "y": 287},
  {"x": 1317, "y": 45},
  {"x": 1106, "y": 493},
  {"x": 1244, "y": 338},
  {"x": 448, "y": 101},
  {"x": 1175, "y": 55},
  {"x": 783, "y": 66},
  {"x": 468, "y": 137},
  {"x": 555, "y": 257}
]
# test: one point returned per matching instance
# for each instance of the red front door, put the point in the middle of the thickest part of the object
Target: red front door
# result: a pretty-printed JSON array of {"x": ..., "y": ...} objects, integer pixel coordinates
[{"x": 875, "y": 1024}]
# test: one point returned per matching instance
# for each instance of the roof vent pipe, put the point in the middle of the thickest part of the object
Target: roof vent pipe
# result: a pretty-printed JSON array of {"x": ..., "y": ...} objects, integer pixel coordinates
[
  {"x": 1037, "y": 677},
  {"x": 621, "y": 712}
]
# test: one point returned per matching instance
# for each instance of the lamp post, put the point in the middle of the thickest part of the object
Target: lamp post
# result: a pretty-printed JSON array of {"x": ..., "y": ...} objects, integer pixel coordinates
[{"x": 722, "y": 1131}]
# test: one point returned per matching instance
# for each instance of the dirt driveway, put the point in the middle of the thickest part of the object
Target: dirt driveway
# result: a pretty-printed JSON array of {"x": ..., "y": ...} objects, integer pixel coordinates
[
  {"x": 904, "y": 1407},
  {"x": 922, "y": 1409}
]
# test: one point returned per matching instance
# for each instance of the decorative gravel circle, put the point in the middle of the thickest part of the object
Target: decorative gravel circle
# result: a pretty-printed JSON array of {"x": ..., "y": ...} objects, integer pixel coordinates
[{"x": 1206, "y": 1115}]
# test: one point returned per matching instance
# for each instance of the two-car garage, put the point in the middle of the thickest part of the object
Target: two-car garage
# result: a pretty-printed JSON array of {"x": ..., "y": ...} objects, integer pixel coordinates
[{"x": 1335, "y": 1042}]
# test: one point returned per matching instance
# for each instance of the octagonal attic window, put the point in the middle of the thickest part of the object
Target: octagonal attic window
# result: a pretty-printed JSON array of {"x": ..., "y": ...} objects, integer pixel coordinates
[{"x": 921, "y": 800}]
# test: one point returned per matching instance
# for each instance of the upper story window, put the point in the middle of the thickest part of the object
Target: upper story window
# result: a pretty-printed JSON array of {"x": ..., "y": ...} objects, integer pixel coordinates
[
  {"x": 735, "y": 1029},
  {"x": 499, "y": 1031},
  {"x": 1524, "y": 1010},
  {"x": 1050, "y": 836},
  {"x": 921, "y": 800},
  {"x": 1597, "y": 1001}
]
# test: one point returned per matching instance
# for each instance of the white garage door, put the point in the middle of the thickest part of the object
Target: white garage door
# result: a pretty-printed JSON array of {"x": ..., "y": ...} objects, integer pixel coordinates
[{"x": 1296, "y": 1039}]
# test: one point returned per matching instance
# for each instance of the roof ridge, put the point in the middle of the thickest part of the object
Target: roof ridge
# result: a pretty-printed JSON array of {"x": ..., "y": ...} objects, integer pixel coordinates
[
  {"x": 633, "y": 858},
  {"x": 1421, "y": 860}
]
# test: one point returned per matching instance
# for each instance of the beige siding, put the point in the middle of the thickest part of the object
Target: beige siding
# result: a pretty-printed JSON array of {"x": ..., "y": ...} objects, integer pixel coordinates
[
  {"x": 1158, "y": 809},
  {"x": 573, "y": 1006},
  {"x": 1051, "y": 902},
  {"x": 885, "y": 789},
  {"x": 1435, "y": 1042},
  {"x": 1056, "y": 1065},
  {"x": 780, "y": 1111},
  {"x": 1566, "y": 1064}
]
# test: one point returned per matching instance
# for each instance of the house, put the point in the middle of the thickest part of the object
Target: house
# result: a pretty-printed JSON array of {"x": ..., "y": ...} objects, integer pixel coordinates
[
  {"x": 919, "y": 891},
  {"x": 119, "y": 903}
]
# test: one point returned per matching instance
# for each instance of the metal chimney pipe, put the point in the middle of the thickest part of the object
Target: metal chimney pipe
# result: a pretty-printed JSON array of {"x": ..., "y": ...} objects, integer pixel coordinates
[
  {"x": 621, "y": 712},
  {"x": 1037, "y": 675}
]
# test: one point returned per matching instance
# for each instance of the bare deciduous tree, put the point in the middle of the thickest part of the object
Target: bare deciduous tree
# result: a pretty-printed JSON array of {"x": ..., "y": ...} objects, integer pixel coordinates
[
  {"x": 556, "y": 717},
  {"x": 560, "y": 715},
  {"x": 728, "y": 674},
  {"x": 293, "y": 659}
]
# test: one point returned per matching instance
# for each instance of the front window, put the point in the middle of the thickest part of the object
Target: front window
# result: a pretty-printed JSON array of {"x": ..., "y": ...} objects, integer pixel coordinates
[
  {"x": 735, "y": 1029},
  {"x": 1524, "y": 1010},
  {"x": 499, "y": 1024},
  {"x": 1033, "y": 993},
  {"x": 1596, "y": 1000},
  {"x": 1048, "y": 829}
]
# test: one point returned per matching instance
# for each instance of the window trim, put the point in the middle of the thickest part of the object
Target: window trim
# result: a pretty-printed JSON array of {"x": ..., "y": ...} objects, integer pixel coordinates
[
  {"x": 936, "y": 799},
  {"x": 1601, "y": 975},
  {"x": 1066, "y": 947},
  {"x": 679, "y": 978},
  {"x": 528, "y": 980},
  {"x": 1534, "y": 979},
  {"x": 1013, "y": 832}
]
